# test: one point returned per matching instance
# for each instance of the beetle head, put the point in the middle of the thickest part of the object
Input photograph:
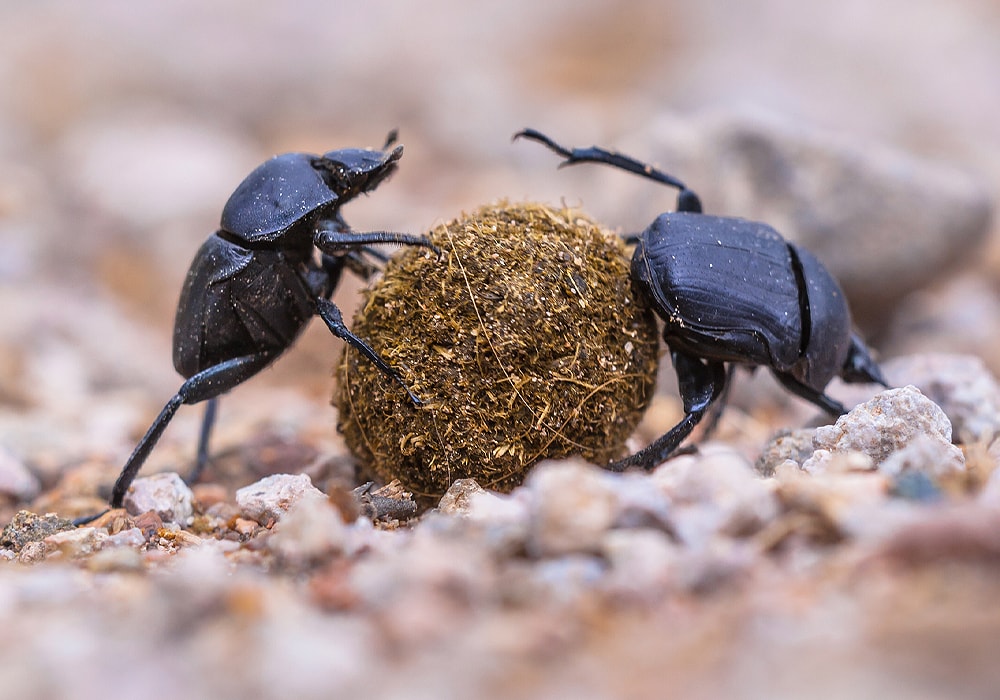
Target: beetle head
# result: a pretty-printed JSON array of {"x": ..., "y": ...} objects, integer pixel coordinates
[
  {"x": 859, "y": 367},
  {"x": 353, "y": 171}
]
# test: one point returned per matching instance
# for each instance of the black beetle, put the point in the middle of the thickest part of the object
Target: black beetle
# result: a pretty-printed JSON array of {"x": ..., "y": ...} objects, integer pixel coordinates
[
  {"x": 255, "y": 283},
  {"x": 733, "y": 291}
]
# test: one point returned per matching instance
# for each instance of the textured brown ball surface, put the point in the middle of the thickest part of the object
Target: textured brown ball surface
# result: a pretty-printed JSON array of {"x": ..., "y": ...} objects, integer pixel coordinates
[{"x": 524, "y": 341}]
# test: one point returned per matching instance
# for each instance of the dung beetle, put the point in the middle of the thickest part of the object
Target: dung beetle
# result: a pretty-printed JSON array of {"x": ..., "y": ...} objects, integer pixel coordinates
[
  {"x": 256, "y": 282},
  {"x": 733, "y": 292}
]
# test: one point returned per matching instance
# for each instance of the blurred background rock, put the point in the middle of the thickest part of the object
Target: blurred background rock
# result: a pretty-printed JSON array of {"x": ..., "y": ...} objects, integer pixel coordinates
[{"x": 867, "y": 130}]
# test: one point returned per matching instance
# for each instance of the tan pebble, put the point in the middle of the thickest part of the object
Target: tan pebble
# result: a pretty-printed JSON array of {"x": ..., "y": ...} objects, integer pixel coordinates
[
  {"x": 79, "y": 542},
  {"x": 34, "y": 552},
  {"x": 245, "y": 527},
  {"x": 115, "y": 559}
]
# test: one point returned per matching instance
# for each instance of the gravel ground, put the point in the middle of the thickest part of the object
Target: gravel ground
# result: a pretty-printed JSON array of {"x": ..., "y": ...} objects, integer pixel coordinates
[{"x": 790, "y": 557}]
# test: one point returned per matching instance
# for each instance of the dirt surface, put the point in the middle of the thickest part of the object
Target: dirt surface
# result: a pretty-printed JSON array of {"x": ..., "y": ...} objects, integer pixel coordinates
[{"x": 812, "y": 565}]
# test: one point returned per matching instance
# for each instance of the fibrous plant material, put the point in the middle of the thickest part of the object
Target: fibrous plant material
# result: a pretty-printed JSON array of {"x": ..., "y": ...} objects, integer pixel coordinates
[{"x": 524, "y": 341}]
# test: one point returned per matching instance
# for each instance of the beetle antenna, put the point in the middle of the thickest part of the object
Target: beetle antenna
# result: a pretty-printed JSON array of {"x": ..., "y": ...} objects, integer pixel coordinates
[
  {"x": 687, "y": 200},
  {"x": 390, "y": 138}
]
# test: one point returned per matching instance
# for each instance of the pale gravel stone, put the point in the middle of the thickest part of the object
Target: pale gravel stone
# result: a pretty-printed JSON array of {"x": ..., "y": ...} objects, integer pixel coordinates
[
  {"x": 926, "y": 454},
  {"x": 961, "y": 385},
  {"x": 990, "y": 493},
  {"x": 716, "y": 491},
  {"x": 165, "y": 494},
  {"x": 709, "y": 568},
  {"x": 500, "y": 522},
  {"x": 16, "y": 480},
  {"x": 132, "y": 537},
  {"x": 457, "y": 499},
  {"x": 272, "y": 497},
  {"x": 564, "y": 579},
  {"x": 898, "y": 431},
  {"x": 572, "y": 505},
  {"x": 642, "y": 562},
  {"x": 885, "y": 424},
  {"x": 637, "y": 504},
  {"x": 823, "y": 461},
  {"x": 795, "y": 445},
  {"x": 311, "y": 529},
  {"x": 424, "y": 574},
  {"x": 839, "y": 499},
  {"x": 79, "y": 542},
  {"x": 33, "y": 552},
  {"x": 468, "y": 499},
  {"x": 110, "y": 559}
]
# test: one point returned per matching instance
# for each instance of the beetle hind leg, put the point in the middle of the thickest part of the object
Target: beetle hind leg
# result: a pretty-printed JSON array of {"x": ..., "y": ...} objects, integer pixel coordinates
[
  {"x": 207, "y": 423},
  {"x": 700, "y": 384},
  {"x": 687, "y": 200},
  {"x": 831, "y": 406},
  {"x": 204, "y": 385},
  {"x": 860, "y": 367}
]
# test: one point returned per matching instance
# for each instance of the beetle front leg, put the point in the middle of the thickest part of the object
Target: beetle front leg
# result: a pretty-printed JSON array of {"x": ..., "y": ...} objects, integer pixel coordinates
[
  {"x": 334, "y": 320},
  {"x": 700, "y": 383},
  {"x": 333, "y": 240},
  {"x": 718, "y": 405}
]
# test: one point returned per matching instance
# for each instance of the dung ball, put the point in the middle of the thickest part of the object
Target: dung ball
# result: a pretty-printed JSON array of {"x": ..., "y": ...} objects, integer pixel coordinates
[{"x": 524, "y": 340}]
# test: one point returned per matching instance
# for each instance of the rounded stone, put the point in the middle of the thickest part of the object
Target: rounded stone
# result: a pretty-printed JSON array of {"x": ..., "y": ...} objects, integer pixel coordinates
[{"x": 165, "y": 494}]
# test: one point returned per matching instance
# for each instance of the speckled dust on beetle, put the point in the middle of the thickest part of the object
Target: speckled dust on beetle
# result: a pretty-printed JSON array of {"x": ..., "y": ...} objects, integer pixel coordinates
[
  {"x": 733, "y": 292},
  {"x": 255, "y": 283}
]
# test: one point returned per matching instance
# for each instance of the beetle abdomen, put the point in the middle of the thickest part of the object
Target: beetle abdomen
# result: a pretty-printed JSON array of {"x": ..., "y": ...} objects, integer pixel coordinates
[
  {"x": 234, "y": 299},
  {"x": 725, "y": 288}
]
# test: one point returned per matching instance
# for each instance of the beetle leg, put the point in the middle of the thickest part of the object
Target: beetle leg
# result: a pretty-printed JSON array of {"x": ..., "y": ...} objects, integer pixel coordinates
[
  {"x": 831, "y": 406},
  {"x": 207, "y": 423},
  {"x": 332, "y": 241},
  {"x": 204, "y": 385},
  {"x": 322, "y": 281},
  {"x": 356, "y": 263},
  {"x": 719, "y": 405},
  {"x": 331, "y": 315},
  {"x": 700, "y": 383},
  {"x": 354, "y": 260},
  {"x": 859, "y": 367},
  {"x": 686, "y": 199}
]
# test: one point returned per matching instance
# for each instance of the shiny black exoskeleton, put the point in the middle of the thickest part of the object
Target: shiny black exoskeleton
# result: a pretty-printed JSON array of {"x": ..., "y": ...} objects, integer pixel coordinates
[
  {"x": 732, "y": 291},
  {"x": 256, "y": 282}
]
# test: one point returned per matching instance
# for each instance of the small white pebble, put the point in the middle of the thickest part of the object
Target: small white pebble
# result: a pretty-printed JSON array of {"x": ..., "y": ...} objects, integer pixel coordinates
[
  {"x": 571, "y": 508},
  {"x": 273, "y": 496},
  {"x": 165, "y": 494}
]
